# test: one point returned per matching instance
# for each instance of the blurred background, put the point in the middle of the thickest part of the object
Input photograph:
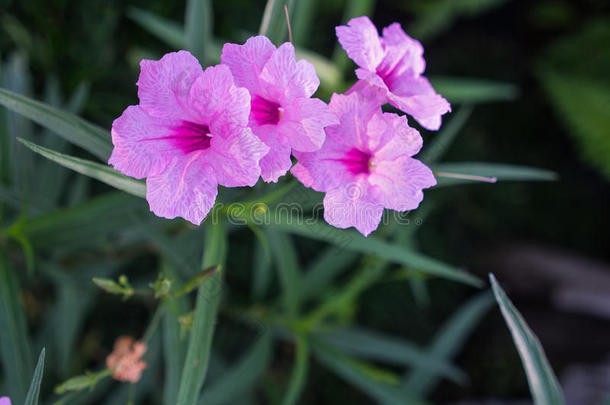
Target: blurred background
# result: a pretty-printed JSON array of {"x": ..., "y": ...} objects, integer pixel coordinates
[{"x": 543, "y": 100}]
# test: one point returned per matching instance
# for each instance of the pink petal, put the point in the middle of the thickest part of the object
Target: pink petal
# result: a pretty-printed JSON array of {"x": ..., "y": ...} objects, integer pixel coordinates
[
  {"x": 402, "y": 53},
  {"x": 353, "y": 112},
  {"x": 360, "y": 40},
  {"x": 214, "y": 99},
  {"x": 163, "y": 85},
  {"x": 277, "y": 75},
  {"x": 277, "y": 161},
  {"x": 404, "y": 142},
  {"x": 304, "y": 81},
  {"x": 142, "y": 145},
  {"x": 5, "y": 401},
  {"x": 416, "y": 97},
  {"x": 248, "y": 60},
  {"x": 235, "y": 160},
  {"x": 187, "y": 189},
  {"x": 353, "y": 205},
  {"x": 303, "y": 123},
  {"x": 400, "y": 182}
]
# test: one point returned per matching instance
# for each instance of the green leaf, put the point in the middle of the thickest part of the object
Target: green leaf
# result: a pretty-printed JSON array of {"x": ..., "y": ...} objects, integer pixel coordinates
[
  {"x": 261, "y": 278},
  {"x": 324, "y": 269},
  {"x": 34, "y": 391},
  {"x": 497, "y": 171},
  {"x": 449, "y": 340},
  {"x": 379, "y": 384},
  {"x": 100, "y": 172},
  {"x": 206, "y": 308},
  {"x": 473, "y": 91},
  {"x": 242, "y": 376},
  {"x": 350, "y": 240},
  {"x": 273, "y": 24},
  {"x": 287, "y": 264},
  {"x": 298, "y": 377},
  {"x": 14, "y": 341},
  {"x": 542, "y": 381},
  {"x": 198, "y": 27},
  {"x": 72, "y": 128},
  {"x": 376, "y": 346},
  {"x": 166, "y": 30}
]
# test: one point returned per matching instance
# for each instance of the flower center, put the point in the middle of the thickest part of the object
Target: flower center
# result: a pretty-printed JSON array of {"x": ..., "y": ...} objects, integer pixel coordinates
[
  {"x": 265, "y": 112},
  {"x": 191, "y": 136},
  {"x": 357, "y": 161}
]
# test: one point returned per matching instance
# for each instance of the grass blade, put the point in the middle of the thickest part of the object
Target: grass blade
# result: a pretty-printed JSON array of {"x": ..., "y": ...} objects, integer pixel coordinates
[
  {"x": 298, "y": 377},
  {"x": 208, "y": 298},
  {"x": 498, "y": 171},
  {"x": 542, "y": 381},
  {"x": 198, "y": 27},
  {"x": 34, "y": 391},
  {"x": 166, "y": 30},
  {"x": 14, "y": 341},
  {"x": 287, "y": 264},
  {"x": 69, "y": 126},
  {"x": 376, "y": 346},
  {"x": 326, "y": 267},
  {"x": 100, "y": 172},
  {"x": 381, "y": 385},
  {"x": 353, "y": 241},
  {"x": 241, "y": 377},
  {"x": 449, "y": 340},
  {"x": 474, "y": 91}
]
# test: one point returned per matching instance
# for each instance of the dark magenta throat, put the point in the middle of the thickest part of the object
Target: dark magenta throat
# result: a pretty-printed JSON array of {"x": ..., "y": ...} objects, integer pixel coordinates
[
  {"x": 357, "y": 161},
  {"x": 191, "y": 136},
  {"x": 265, "y": 112}
]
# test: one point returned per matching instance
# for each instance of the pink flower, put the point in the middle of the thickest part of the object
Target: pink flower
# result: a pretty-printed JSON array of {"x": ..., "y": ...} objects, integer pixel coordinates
[
  {"x": 283, "y": 114},
  {"x": 365, "y": 165},
  {"x": 393, "y": 64},
  {"x": 125, "y": 359},
  {"x": 5, "y": 401},
  {"x": 188, "y": 135}
]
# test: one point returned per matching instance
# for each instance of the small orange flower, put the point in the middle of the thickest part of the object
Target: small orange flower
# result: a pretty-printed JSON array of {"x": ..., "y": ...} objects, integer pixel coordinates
[{"x": 125, "y": 359}]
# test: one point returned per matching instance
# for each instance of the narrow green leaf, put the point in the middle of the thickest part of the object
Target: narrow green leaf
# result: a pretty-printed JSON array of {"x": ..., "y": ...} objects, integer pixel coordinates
[
  {"x": 261, "y": 277},
  {"x": 100, "y": 172},
  {"x": 34, "y": 391},
  {"x": 473, "y": 91},
  {"x": 240, "y": 377},
  {"x": 353, "y": 241},
  {"x": 379, "y": 384},
  {"x": 542, "y": 381},
  {"x": 273, "y": 24},
  {"x": 376, "y": 346},
  {"x": 166, "y": 30},
  {"x": 298, "y": 377},
  {"x": 72, "y": 128},
  {"x": 174, "y": 351},
  {"x": 449, "y": 340},
  {"x": 497, "y": 171},
  {"x": 445, "y": 137},
  {"x": 326, "y": 267},
  {"x": 287, "y": 264},
  {"x": 198, "y": 27},
  {"x": 14, "y": 341},
  {"x": 206, "y": 308}
]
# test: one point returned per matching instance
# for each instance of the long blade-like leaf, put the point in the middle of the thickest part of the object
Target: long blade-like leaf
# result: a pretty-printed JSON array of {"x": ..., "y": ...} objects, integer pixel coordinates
[
  {"x": 166, "y": 30},
  {"x": 498, "y": 171},
  {"x": 287, "y": 265},
  {"x": 240, "y": 377},
  {"x": 353, "y": 241},
  {"x": 69, "y": 126},
  {"x": 473, "y": 91},
  {"x": 34, "y": 391},
  {"x": 95, "y": 170},
  {"x": 298, "y": 376},
  {"x": 542, "y": 381},
  {"x": 198, "y": 27},
  {"x": 206, "y": 308}
]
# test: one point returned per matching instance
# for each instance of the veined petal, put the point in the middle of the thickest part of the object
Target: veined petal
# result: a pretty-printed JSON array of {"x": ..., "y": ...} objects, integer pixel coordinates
[
  {"x": 163, "y": 85},
  {"x": 353, "y": 204},
  {"x": 403, "y": 54},
  {"x": 353, "y": 112},
  {"x": 248, "y": 60},
  {"x": 143, "y": 145},
  {"x": 404, "y": 142},
  {"x": 187, "y": 189},
  {"x": 277, "y": 161},
  {"x": 304, "y": 81},
  {"x": 360, "y": 40},
  {"x": 303, "y": 123},
  {"x": 401, "y": 182},
  {"x": 276, "y": 77},
  {"x": 236, "y": 160}
]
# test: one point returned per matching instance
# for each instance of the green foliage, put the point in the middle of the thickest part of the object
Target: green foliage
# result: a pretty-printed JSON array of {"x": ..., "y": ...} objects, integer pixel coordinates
[
  {"x": 34, "y": 390},
  {"x": 542, "y": 381}
]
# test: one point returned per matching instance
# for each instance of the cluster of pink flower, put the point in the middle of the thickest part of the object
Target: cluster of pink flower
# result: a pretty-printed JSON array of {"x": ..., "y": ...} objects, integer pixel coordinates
[{"x": 230, "y": 124}]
